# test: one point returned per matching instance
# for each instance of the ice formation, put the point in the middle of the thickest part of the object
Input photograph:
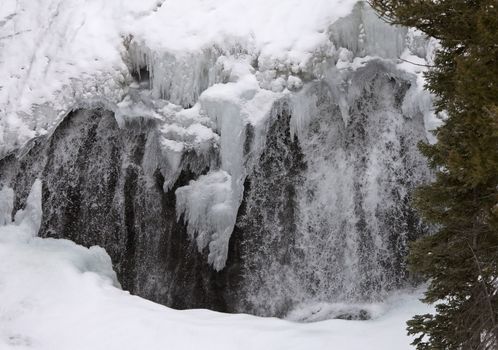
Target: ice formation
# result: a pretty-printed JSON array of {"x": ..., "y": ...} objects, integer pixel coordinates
[
  {"x": 29, "y": 218},
  {"x": 31, "y": 215},
  {"x": 248, "y": 96},
  {"x": 6, "y": 205},
  {"x": 208, "y": 208}
]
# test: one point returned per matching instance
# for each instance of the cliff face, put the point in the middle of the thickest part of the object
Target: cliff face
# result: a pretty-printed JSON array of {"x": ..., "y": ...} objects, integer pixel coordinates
[{"x": 227, "y": 182}]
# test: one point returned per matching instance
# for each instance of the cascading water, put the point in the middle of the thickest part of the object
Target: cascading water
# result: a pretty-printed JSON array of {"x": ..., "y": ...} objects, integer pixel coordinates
[
  {"x": 227, "y": 181},
  {"x": 327, "y": 216}
]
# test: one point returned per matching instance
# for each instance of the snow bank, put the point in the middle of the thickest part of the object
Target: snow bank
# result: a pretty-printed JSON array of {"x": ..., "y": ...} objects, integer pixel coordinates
[{"x": 58, "y": 295}]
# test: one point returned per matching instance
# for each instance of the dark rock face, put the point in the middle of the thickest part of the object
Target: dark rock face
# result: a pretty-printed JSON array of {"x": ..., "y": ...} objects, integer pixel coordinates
[
  {"x": 266, "y": 224},
  {"x": 323, "y": 218}
]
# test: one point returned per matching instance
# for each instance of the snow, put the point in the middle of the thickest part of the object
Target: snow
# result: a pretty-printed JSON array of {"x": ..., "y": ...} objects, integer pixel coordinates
[
  {"x": 59, "y": 55},
  {"x": 53, "y": 55},
  {"x": 58, "y": 295},
  {"x": 290, "y": 31},
  {"x": 416, "y": 59}
]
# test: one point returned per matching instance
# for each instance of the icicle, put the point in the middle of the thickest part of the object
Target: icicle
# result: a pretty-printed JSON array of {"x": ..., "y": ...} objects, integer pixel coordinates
[
  {"x": 179, "y": 78},
  {"x": 210, "y": 212},
  {"x": 303, "y": 108}
]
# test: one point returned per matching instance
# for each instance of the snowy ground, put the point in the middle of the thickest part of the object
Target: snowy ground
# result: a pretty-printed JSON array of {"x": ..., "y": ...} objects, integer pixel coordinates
[{"x": 55, "y": 294}]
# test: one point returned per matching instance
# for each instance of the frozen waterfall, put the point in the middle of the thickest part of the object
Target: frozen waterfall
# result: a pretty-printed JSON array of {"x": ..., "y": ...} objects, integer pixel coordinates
[{"x": 236, "y": 171}]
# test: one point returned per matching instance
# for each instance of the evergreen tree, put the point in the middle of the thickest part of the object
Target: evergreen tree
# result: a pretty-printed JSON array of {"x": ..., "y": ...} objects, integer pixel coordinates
[{"x": 460, "y": 261}]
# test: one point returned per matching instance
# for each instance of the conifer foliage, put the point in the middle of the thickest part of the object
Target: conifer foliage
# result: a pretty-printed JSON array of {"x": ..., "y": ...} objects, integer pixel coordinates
[{"x": 459, "y": 261}]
